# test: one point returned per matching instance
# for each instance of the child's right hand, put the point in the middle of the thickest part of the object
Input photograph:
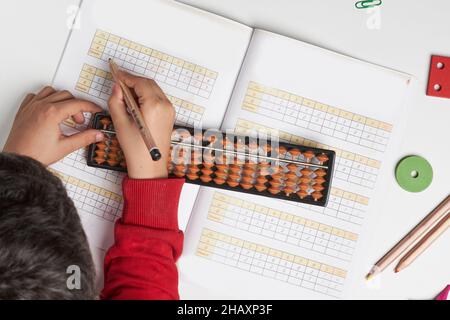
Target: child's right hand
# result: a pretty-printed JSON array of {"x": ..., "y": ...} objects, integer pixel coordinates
[{"x": 159, "y": 115}]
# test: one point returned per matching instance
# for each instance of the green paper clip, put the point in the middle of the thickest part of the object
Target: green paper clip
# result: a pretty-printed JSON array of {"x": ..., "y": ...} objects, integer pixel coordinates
[{"x": 368, "y": 4}]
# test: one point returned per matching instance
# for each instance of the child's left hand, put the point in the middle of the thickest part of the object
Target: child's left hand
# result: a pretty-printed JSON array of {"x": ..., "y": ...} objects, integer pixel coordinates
[{"x": 36, "y": 132}]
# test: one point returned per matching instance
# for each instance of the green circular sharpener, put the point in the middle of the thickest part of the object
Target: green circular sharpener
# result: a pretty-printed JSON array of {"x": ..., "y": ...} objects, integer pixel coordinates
[{"x": 414, "y": 174}]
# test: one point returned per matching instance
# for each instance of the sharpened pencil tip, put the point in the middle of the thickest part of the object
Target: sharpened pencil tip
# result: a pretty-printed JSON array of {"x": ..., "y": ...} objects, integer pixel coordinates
[{"x": 369, "y": 276}]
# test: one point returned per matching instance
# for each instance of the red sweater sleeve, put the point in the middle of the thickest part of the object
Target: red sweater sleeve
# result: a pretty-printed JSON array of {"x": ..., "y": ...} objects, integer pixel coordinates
[{"x": 141, "y": 263}]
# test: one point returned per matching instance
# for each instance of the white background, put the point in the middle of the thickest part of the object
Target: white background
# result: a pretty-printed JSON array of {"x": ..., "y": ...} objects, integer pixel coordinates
[{"x": 33, "y": 36}]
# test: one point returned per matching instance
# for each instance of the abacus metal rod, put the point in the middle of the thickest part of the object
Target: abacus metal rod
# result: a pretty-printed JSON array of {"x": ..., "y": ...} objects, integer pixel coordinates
[{"x": 306, "y": 164}]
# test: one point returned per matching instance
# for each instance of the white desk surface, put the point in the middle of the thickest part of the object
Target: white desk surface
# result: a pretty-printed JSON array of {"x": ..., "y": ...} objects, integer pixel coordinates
[{"x": 33, "y": 35}]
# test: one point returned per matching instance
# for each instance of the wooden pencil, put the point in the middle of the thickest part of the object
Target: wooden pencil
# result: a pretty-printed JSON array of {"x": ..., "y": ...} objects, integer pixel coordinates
[
  {"x": 430, "y": 220},
  {"x": 136, "y": 114},
  {"x": 424, "y": 243}
]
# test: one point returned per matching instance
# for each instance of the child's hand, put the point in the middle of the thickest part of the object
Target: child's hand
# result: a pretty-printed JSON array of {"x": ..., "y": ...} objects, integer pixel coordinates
[
  {"x": 159, "y": 115},
  {"x": 36, "y": 132}
]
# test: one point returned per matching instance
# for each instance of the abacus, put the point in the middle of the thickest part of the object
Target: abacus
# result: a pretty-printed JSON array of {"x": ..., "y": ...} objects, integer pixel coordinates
[{"x": 231, "y": 161}]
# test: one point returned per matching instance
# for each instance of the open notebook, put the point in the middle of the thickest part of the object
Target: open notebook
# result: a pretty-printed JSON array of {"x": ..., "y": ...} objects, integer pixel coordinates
[{"x": 222, "y": 74}]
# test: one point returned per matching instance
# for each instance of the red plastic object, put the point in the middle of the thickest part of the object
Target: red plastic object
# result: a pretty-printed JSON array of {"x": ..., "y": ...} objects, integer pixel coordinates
[{"x": 439, "y": 78}]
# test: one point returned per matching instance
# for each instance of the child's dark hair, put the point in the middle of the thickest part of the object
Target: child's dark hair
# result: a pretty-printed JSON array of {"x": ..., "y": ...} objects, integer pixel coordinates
[{"x": 41, "y": 237}]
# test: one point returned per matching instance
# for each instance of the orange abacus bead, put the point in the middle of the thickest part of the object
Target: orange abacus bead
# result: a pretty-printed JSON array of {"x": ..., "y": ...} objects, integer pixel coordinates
[
  {"x": 105, "y": 122},
  {"x": 320, "y": 172},
  {"x": 277, "y": 176},
  {"x": 101, "y": 146},
  {"x": 318, "y": 187},
  {"x": 291, "y": 184},
  {"x": 219, "y": 181},
  {"x": 234, "y": 177},
  {"x": 302, "y": 194},
  {"x": 206, "y": 179},
  {"x": 250, "y": 166},
  {"x": 306, "y": 171},
  {"x": 192, "y": 176},
  {"x": 100, "y": 153},
  {"x": 223, "y": 167},
  {"x": 206, "y": 171},
  {"x": 322, "y": 158},
  {"x": 113, "y": 156},
  {"x": 281, "y": 150},
  {"x": 246, "y": 186},
  {"x": 179, "y": 174},
  {"x": 180, "y": 167},
  {"x": 274, "y": 190},
  {"x": 275, "y": 183},
  {"x": 193, "y": 169},
  {"x": 316, "y": 195},
  {"x": 112, "y": 162},
  {"x": 308, "y": 155},
  {"x": 292, "y": 167},
  {"x": 289, "y": 191},
  {"x": 319, "y": 180},
  {"x": 304, "y": 186},
  {"x": 305, "y": 179},
  {"x": 100, "y": 160},
  {"x": 294, "y": 152},
  {"x": 291, "y": 176},
  {"x": 208, "y": 165},
  {"x": 221, "y": 174},
  {"x": 235, "y": 168},
  {"x": 261, "y": 187},
  {"x": 249, "y": 172},
  {"x": 114, "y": 149},
  {"x": 261, "y": 179},
  {"x": 232, "y": 183},
  {"x": 247, "y": 179}
]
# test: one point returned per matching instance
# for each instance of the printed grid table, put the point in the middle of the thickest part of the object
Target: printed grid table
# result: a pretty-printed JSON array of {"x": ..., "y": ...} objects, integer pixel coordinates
[
  {"x": 92, "y": 199},
  {"x": 154, "y": 64},
  {"x": 98, "y": 83},
  {"x": 77, "y": 160},
  {"x": 342, "y": 205},
  {"x": 282, "y": 226},
  {"x": 271, "y": 263},
  {"x": 349, "y": 166},
  {"x": 299, "y": 111}
]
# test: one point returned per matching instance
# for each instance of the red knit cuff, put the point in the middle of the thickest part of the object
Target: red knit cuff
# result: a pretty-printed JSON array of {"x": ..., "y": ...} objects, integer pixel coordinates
[{"x": 152, "y": 203}]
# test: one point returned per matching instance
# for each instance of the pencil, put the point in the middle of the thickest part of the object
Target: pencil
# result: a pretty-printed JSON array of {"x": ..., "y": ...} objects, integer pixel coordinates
[
  {"x": 430, "y": 220},
  {"x": 424, "y": 243},
  {"x": 136, "y": 114}
]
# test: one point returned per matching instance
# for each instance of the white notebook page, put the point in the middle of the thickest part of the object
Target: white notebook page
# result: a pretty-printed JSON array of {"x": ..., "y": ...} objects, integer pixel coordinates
[
  {"x": 194, "y": 56},
  {"x": 244, "y": 246}
]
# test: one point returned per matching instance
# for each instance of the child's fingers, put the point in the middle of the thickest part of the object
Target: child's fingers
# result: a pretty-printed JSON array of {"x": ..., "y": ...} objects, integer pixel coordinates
[
  {"x": 117, "y": 107},
  {"x": 68, "y": 108},
  {"x": 78, "y": 118},
  {"x": 80, "y": 140},
  {"x": 60, "y": 96},
  {"x": 27, "y": 100},
  {"x": 45, "y": 92},
  {"x": 143, "y": 87}
]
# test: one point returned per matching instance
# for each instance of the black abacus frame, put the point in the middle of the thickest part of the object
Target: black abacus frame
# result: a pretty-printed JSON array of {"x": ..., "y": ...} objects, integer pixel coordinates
[{"x": 307, "y": 200}]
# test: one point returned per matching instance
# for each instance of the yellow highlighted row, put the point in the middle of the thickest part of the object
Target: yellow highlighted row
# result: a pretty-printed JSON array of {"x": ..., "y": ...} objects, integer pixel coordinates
[
  {"x": 89, "y": 72},
  {"x": 209, "y": 239},
  {"x": 245, "y": 126},
  {"x": 256, "y": 91},
  {"x": 221, "y": 202},
  {"x": 87, "y": 186},
  {"x": 101, "y": 38}
]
